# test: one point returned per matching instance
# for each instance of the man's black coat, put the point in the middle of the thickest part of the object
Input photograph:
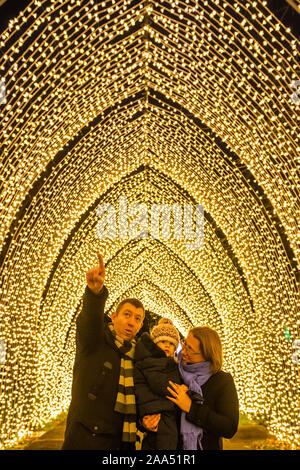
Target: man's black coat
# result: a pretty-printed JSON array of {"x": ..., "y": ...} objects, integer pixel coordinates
[{"x": 92, "y": 422}]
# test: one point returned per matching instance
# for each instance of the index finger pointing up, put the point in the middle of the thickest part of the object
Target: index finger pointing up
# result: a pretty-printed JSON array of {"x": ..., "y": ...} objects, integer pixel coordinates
[{"x": 101, "y": 264}]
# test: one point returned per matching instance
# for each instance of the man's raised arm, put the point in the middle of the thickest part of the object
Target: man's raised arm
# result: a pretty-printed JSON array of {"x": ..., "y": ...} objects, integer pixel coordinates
[{"x": 90, "y": 321}]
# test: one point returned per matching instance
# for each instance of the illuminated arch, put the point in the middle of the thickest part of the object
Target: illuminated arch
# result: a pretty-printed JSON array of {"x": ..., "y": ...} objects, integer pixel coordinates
[{"x": 186, "y": 102}]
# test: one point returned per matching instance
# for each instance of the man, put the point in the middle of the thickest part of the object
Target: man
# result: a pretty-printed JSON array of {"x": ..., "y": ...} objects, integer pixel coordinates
[{"x": 102, "y": 413}]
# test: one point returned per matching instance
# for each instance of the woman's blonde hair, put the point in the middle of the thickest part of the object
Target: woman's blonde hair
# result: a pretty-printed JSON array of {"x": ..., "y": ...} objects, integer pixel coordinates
[{"x": 210, "y": 346}]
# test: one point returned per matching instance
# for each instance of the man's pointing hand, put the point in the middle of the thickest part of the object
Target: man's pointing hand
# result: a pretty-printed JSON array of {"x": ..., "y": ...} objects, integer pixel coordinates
[{"x": 95, "y": 276}]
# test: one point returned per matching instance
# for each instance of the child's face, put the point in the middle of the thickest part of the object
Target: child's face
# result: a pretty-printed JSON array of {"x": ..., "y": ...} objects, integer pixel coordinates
[{"x": 167, "y": 347}]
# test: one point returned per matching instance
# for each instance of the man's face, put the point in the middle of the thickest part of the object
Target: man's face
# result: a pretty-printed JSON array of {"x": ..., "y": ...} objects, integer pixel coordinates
[{"x": 128, "y": 321}]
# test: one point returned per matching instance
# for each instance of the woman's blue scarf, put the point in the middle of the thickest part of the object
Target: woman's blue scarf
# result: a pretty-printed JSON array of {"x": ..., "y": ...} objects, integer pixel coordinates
[{"x": 194, "y": 375}]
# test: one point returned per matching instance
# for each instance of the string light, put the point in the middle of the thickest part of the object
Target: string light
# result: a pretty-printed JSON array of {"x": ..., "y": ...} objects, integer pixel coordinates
[{"x": 164, "y": 102}]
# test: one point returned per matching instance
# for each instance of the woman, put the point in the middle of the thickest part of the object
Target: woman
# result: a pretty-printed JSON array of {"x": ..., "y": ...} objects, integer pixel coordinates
[{"x": 208, "y": 400}]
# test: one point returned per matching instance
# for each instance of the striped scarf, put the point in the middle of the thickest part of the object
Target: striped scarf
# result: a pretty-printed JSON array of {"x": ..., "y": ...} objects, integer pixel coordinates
[{"x": 125, "y": 402}]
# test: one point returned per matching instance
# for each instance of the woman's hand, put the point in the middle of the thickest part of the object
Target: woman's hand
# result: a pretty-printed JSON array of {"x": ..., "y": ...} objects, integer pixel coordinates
[
  {"x": 150, "y": 422},
  {"x": 180, "y": 397}
]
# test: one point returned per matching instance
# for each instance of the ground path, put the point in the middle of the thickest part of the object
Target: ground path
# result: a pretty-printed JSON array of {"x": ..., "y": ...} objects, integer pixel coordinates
[{"x": 249, "y": 436}]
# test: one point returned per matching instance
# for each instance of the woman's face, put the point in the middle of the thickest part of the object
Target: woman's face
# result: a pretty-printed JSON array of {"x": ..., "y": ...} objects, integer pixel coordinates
[{"x": 190, "y": 350}]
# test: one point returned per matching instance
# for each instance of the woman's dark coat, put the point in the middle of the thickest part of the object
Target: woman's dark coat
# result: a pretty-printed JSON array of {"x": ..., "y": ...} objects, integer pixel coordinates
[{"x": 218, "y": 416}]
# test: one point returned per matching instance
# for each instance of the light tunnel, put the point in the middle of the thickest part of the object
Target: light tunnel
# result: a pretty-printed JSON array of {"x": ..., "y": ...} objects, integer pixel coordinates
[{"x": 161, "y": 103}]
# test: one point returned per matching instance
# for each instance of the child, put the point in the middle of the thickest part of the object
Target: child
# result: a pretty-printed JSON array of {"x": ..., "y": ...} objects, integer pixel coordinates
[{"x": 154, "y": 367}]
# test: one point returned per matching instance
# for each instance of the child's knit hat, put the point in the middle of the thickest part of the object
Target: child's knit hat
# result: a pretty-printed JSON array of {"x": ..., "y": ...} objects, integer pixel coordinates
[{"x": 165, "y": 331}]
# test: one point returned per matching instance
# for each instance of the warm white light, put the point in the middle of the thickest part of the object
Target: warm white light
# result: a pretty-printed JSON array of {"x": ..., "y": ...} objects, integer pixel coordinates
[{"x": 191, "y": 98}]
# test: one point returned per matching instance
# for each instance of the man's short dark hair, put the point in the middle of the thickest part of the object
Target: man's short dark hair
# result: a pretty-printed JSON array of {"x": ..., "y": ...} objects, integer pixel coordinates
[{"x": 135, "y": 302}]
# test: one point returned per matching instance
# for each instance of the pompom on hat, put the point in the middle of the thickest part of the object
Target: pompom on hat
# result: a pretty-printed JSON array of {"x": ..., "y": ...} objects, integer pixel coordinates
[{"x": 165, "y": 331}]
